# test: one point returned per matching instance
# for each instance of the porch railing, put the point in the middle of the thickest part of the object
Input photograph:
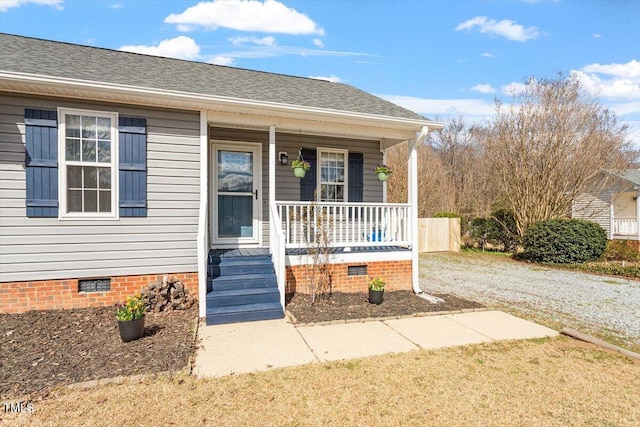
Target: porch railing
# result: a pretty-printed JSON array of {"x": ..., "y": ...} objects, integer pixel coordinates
[
  {"x": 344, "y": 224},
  {"x": 277, "y": 247},
  {"x": 625, "y": 226}
]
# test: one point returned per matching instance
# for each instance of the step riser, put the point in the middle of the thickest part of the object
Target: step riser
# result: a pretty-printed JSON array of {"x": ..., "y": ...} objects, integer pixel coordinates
[
  {"x": 226, "y": 301},
  {"x": 218, "y": 319},
  {"x": 225, "y": 283},
  {"x": 232, "y": 270}
]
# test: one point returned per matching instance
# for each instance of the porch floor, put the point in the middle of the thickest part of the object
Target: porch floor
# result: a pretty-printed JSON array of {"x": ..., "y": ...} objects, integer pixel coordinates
[
  {"x": 246, "y": 252},
  {"x": 352, "y": 249},
  {"x": 238, "y": 252}
]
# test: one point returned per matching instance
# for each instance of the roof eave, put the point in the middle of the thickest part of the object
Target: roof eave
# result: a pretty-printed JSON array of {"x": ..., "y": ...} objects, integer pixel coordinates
[{"x": 46, "y": 85}]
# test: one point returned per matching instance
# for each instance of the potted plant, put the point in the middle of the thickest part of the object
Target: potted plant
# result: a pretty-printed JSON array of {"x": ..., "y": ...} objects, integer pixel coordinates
[
  {"x": 300, "y": 167},
  {"x": 130, "y": 317},
  {"x": 376, "y": 290},
  {"x": 383, "y": 171}
]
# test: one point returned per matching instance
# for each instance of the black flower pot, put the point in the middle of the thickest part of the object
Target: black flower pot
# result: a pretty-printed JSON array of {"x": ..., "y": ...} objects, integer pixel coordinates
[
  {"x": 375, "y": 297},
  {"x": 131, "y": 330}
]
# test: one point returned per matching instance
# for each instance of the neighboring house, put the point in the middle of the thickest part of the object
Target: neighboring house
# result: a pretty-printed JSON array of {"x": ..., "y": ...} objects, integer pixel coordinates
[
  {"x": 614, "y": 206},
  {"x": 117, "y": 168}
]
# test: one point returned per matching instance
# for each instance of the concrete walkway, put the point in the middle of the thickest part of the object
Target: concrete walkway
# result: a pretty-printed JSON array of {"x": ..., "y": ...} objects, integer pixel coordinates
[{"x": 257, "y": 346}]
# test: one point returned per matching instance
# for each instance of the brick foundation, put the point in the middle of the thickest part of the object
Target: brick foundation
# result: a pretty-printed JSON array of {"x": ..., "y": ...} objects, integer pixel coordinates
[
  {"x": 396, "y": 274},
  {"x": 18, "y": 297}
]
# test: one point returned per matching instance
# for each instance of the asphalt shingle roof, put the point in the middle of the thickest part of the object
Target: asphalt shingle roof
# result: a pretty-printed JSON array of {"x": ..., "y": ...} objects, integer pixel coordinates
[
  {"x": 57, "y": 59},
  {"x": 631, "y": 175}
]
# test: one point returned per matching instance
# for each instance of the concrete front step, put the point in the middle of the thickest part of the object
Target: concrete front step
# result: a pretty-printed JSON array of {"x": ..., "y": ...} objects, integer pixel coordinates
[
  {"x": 244, "y": 313},
  {"x": 234, "y": 297}
]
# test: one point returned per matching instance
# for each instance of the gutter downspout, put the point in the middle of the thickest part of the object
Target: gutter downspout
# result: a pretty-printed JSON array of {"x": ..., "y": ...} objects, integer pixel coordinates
[{"x": 413, "y": 203}]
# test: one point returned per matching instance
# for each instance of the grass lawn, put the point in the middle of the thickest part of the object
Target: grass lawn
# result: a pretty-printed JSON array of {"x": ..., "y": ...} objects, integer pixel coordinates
[{"x": 545, "y": 382}]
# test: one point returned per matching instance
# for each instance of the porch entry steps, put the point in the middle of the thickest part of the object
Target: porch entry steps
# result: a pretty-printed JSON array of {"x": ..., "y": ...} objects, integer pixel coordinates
[{"x": 241, "y": 286}]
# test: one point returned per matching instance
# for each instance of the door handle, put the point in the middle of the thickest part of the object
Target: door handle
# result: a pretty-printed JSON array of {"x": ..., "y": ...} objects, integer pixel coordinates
[{"x": 256, "y": 192}]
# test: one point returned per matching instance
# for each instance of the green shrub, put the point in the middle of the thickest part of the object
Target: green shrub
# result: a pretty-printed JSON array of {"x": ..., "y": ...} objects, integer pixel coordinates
[
  {"x": 564, "y": 241},
  {"x": 506, "y": 229},
  {"x": 499, "y": 229}
]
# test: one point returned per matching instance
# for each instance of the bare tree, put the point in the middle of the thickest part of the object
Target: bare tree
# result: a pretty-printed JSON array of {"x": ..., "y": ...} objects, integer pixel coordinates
[
  {"x": 452, "y": 173},
  {"x": 549, "y": 145},
  {"x": 432, "y": 191}
]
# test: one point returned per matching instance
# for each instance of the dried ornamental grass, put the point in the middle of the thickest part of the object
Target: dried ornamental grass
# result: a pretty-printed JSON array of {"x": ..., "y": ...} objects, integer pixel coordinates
[{"x": 550, "y": 382}]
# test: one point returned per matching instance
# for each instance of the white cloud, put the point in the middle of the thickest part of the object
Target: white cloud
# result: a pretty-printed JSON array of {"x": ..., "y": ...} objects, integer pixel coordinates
[
  {"x": 331, "y": 78},
  {"x": 222, "y": 60},
  {"x": 116, "y": 6},
  {"x": 617, "y": 83},
  {"x": 473, "y": 110},
  {"x": 513, "y": 88},
  {"x": 180, "y": 47},
  {"x": 630, "y": 70},
  {"x": 483, "y": 88},
  {"x": 488, "y": 55},
  {"x": 597, "y": 36},
  {"x": 505, "y": 28},
  {"x": 615, "y": 88},
  {"x": 273, "y": 51},
  {"x": 269, "y": 16},
  {"x": 265, "y": 41},
  {"x": 318, "y": 42},
  {"x": 9, "y": 4}
]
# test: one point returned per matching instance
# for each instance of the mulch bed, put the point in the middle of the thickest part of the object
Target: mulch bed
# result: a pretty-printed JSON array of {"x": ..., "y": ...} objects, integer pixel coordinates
[
  {"x": 341, "y": 306},
  {"x": 44, "y": 349}
]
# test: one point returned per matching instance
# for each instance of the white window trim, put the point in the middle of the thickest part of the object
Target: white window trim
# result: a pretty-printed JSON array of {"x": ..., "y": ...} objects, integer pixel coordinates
[
  {"x": 62, "y": 167},
  {"x": 319, "y": 152}
]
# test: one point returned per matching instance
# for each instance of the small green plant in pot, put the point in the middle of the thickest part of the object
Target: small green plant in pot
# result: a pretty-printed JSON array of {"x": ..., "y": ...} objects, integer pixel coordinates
[
  {"x": 376, "y": 290},
  {"x": 130, "y": 316}
]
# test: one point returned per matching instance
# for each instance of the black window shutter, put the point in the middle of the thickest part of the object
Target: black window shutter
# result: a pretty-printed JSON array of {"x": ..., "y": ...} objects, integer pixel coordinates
[
  {"x": 308, "y": 183},
  {"x": 132, "y": 133},
  {"x": 356, "y": 161},
  {"x": 41, "y": 162}
]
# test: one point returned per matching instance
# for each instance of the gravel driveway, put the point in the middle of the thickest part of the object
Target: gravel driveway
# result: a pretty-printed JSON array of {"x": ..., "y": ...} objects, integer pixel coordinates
[{"x": 607, "y": 305}]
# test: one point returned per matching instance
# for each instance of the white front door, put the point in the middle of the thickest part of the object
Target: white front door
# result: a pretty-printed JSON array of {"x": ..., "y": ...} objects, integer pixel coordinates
[{"x": 236, "y": 201}]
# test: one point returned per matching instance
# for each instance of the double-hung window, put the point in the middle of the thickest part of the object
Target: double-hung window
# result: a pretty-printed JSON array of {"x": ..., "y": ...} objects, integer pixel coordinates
[
  {"x": 332, "y": 175},
  {"x": 88, "y": 142}
]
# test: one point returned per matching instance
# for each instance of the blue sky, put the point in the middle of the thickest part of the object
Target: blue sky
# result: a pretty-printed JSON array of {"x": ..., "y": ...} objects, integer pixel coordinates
[{"x": 438, "y": 58}]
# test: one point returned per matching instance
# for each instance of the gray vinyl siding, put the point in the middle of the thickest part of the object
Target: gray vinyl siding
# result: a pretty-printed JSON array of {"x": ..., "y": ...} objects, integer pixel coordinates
[
  {"x": 596, "y": 205},
  {"x": 596, "y": 208},
  {"x": 49, "y": 248},
  {"x": 288, "y": 186}
]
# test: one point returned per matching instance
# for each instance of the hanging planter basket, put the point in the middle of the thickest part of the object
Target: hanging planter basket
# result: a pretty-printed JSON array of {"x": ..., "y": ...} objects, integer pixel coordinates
[
  {"x": 383, "y": 171},
  {"x": 300, "y": 166},
  {"x": 299, "y": 172}
]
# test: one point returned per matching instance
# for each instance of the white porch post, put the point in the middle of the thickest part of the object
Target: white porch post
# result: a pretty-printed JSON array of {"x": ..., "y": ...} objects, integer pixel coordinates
[
  {"x": 272, "y": 164},
  {"x": 413, "y": 209},
  {"x": 384, "y": 183},
  {"x": 611, "y": 221},
  {"x": 412, "y": 196},
  {"x": 638, "y": 214},
  {"x": 203, "y": 234}
]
